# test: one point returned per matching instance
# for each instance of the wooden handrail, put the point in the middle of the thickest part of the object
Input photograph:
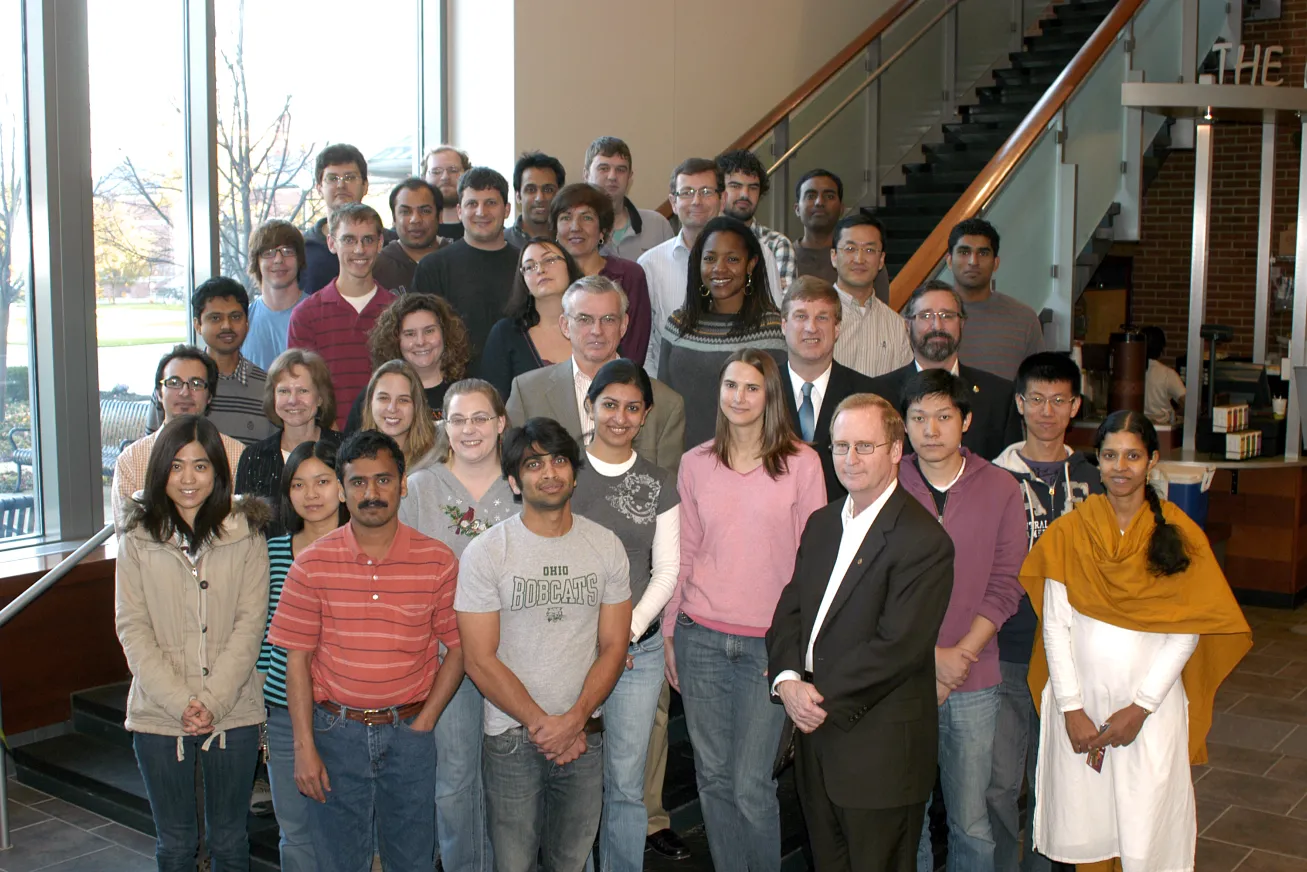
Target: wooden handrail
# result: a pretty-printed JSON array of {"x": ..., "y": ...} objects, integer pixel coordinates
[
  {"x": 813, "y": 83},
  {"x": 1002, "y": 165}
]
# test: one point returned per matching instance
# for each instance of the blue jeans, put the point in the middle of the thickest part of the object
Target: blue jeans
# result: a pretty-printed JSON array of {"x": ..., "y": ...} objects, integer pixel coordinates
[
  {"x": 291, "y": 806},
  {"x": 966, "y": 762},
  {"x": 628, "y": 720},
  {"x": 388, "y": 771},
  {"x": 170, "y": 785},
  {"x": 460, "y": 801},
  {"x": 1016, "y": 742},
  {"x": 539, "y": 812},
  {"x": 734, "y": 730}
]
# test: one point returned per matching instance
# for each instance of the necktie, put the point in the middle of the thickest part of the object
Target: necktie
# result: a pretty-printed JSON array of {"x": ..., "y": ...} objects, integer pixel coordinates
[{"x": 806, "y": 417}]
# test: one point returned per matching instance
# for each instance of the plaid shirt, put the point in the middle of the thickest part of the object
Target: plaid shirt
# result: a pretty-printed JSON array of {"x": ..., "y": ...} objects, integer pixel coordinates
[{"x": 786, "y": 264}]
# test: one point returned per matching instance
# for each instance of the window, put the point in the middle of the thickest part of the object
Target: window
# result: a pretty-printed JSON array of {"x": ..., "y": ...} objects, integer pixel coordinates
[{"x": 139, "y": 214}]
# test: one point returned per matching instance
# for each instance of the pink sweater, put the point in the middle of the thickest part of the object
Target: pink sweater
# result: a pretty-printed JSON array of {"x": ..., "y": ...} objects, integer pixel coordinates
[{"x": 739, "y": 537}]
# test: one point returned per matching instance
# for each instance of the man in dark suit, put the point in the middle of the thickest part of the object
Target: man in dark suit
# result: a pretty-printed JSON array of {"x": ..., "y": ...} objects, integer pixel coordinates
[
  {"x": 852, "y": 646},
  {"x": 813, "y": 382},
  {"x": 934, "y": 316}
]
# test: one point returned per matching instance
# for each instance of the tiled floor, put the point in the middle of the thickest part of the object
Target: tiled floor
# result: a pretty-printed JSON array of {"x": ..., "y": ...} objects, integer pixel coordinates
[{"x": 49, "y": 834}]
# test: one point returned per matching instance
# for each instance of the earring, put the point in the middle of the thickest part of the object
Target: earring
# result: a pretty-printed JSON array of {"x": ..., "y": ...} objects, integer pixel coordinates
[
  {"x": 703, "y": 291},
  {"x": 748, "y": 288}
]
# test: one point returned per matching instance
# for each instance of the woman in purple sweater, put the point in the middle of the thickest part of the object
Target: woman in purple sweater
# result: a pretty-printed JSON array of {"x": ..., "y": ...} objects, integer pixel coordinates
[{"x": 745, "y": 498}]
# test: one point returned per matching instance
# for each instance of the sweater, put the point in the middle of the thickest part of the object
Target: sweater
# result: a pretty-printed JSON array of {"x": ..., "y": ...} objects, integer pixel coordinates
[
  {"x": 691, "y": 364},
  {"x": 509, "y": 352},
  {"x": 191, "y": 629},
  {"x": 474, "y": 281},
  {"x": 985, "y": 517},
  {"x": 630, "y": 276},
  {"x": 259, "y": 473},
  {"x": 735, "y": 562}
]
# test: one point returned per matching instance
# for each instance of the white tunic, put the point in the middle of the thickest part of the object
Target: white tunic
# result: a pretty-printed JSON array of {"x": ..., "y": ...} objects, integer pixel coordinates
[{"x": 1141, "y": 806}]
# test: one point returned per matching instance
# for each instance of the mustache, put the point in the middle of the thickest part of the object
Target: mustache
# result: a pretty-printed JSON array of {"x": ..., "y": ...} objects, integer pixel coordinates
[
  {"x": 936, "y": 334},
  {"x": 374, "y": 504}
]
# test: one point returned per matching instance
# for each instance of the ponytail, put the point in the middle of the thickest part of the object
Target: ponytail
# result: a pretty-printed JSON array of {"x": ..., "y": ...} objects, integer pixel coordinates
[{"x": 1166, "y": 547}]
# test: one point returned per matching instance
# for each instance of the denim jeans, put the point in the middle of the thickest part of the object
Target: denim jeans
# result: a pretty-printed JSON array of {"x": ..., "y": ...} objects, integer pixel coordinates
[
  {"x": 1016, "y": 742},
  {"x": 734, "y": 730},
  {"x": 537, "y": 811},
  {"x": 170, "y": 785},
  {"x": 460, "y": 801},
  {"x": 966, "y": 762},
  {"x": 291, "y": 806},
  {"x": 388, "y": 771}
]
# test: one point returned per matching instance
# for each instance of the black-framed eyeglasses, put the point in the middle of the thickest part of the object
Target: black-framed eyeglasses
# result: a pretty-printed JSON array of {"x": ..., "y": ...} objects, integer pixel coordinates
[
  {"x": 284, "y": 250},
  {"x": 176, "y": 383},
  {"x": 866, "y": 449}
]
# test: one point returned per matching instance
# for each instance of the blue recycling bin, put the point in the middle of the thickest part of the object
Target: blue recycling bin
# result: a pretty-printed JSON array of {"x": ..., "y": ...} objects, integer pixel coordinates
[{"x": 1187, "y": 488}]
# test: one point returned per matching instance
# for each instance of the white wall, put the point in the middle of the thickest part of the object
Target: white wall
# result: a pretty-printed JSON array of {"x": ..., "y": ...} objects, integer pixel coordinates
[{"x": 674, "y": 78}]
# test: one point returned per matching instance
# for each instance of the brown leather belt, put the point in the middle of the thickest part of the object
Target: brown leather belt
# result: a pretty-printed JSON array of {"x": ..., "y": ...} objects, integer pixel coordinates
[{"x": 374, "y": 717}]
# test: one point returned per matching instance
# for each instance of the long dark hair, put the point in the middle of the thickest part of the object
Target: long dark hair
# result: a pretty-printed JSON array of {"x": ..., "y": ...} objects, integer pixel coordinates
[
  {"x": 291, "y": 522},
  {"x": 1167, "y": 552},
  {"x": 757, "y": 301},
  {"x": 159, "y": 515},
  {"x": 779, "y": 441},
  {"x": 521, "y": 306}
]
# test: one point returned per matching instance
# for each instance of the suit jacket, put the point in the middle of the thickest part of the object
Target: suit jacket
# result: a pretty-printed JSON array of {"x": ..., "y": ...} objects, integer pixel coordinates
[
  {"x": 549, "y": 392},
  {"x": 995, "y": 423},
  {"x": 874, "y": 658},
  {"x": 843, "y": 382}
]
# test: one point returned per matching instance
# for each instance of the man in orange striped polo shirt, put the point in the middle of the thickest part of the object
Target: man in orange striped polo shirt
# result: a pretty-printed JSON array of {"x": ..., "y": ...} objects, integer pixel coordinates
[{"x": 361, "y": 614}]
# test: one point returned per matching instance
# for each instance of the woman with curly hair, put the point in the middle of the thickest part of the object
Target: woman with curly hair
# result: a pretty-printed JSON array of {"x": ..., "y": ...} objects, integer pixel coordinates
[{"x": 426, "y": 332}]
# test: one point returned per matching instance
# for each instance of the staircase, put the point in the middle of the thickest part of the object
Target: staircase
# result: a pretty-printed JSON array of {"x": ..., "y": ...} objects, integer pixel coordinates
[{"x": 914, "y": 208}]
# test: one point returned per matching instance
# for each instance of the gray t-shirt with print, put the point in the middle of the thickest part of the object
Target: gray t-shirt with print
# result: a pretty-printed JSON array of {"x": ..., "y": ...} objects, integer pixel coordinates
[
  {"x": 548, "y": 592},
  {"x": 439, "y": 506}
]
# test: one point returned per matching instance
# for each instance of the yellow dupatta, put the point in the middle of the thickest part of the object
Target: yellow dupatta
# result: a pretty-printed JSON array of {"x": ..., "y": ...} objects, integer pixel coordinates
[{"x": 1106, "y": 577}]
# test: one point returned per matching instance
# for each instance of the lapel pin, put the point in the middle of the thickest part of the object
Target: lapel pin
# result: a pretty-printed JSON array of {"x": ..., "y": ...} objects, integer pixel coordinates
[{"x": 975, "y": 389}]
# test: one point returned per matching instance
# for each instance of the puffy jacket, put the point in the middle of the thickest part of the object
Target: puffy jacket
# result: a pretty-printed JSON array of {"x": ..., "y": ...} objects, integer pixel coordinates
[{"x": 194, "y": 631}]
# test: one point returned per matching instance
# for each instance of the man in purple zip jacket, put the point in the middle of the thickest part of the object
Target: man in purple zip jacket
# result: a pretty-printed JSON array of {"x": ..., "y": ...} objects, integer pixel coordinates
[{"x": 981, "y": 509}]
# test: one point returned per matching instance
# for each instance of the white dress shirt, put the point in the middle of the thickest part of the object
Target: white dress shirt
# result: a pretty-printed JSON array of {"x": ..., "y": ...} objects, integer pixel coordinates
[
  {"x": 872, "y": 338},
  {"x": 819, "y": 385},
  {"x": 581, "y": 385},
  {"x": 856, "y": 528}
]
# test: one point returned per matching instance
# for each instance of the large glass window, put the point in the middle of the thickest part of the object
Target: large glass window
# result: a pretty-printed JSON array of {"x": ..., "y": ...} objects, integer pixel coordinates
[
  {"x": 137, "y": 164},
  {"x": 18, "y": 473},
  {"x": 285, "y": 93}
]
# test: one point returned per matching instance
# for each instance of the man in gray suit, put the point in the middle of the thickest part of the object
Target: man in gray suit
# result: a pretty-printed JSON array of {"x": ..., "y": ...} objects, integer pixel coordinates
[{"x": 594, "y": 319}]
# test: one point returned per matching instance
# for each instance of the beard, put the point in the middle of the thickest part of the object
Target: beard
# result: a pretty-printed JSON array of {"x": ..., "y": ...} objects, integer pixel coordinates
[{"x": 936, "y": 346}]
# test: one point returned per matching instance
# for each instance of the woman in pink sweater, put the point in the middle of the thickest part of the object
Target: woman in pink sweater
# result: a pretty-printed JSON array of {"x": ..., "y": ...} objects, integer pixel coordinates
[{"x": 745, "y": 498}]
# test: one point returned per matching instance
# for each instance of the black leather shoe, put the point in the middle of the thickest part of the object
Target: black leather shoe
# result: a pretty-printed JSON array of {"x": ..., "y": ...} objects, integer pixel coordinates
[{"x": 666, "y": 843}]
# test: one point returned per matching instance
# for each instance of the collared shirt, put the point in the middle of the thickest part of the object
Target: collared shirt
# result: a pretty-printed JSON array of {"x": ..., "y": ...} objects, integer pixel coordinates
[
  {"x": 373, "y": 625},
  {"x": 236, "y": 407},
  {"x": 581, "y": 384},
  {"x": 872, "y": 338},
  {"x": 819, "y": 385},
  {"x": 953, "y": 369},
  {"x": 787, "y": 268},
  {"x": 129, "y": 472}
]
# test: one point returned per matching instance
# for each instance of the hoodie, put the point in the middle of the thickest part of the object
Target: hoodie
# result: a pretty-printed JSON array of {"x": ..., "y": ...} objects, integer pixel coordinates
[
  {"x": 985, "y": 518},
  {"x": 1078, "y": 480}
]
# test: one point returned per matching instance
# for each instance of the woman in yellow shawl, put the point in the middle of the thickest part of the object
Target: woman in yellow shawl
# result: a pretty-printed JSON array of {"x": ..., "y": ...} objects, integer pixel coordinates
[{"x": 1139, "y": 628}]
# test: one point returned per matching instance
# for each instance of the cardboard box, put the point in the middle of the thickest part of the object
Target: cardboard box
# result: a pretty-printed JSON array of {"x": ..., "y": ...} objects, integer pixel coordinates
[
  {"x": 1230, "y": 419},
  {"x": 1243, "y": 445},
  {"x": 1288, "y": 241}
]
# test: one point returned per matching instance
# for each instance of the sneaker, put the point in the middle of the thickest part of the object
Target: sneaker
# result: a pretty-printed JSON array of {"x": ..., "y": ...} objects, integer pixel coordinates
[{"x": 261, "y": 798}]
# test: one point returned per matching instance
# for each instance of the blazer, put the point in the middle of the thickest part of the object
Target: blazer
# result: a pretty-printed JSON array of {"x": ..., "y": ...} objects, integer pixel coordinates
[
  {"x": 874, "y": 658},
  {"x": 843, "y": 383},
  {"x": 549, "y": 392},
  {"x": 995, "y": 423}
]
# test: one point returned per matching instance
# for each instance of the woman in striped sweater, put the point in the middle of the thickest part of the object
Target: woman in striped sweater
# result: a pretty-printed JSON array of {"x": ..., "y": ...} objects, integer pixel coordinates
[
  {"x": 728, "y": 306},
  {"x": 310, "y": 508}
]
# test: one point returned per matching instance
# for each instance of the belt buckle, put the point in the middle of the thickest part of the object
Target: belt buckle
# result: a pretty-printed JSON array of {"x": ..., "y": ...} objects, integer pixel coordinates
[{"x": 370, "y": 716}]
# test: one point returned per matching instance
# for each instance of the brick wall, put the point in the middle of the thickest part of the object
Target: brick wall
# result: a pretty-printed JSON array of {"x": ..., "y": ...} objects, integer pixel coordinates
[{"x": 1160, "y": 279}]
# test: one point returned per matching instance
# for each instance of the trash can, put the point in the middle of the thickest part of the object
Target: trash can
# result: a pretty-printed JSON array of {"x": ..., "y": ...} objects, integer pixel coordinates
[{"x": 1186, "y": 486}]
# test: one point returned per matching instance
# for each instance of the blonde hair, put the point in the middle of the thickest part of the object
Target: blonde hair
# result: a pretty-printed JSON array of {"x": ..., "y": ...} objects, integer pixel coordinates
[
  {"x": 319, "y": 374},
  {"x": 460, "y": 388},
  {"x": 422, "y": 433},
  {"x": 890, "y": 418}
]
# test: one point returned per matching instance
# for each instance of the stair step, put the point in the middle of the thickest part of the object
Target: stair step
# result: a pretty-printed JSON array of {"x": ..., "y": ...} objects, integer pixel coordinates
[
  {"x": 900, "y": 227},
  {"x": 924, "y": 183},
  {"x": 919, "y": 202},
  {"x": 101, "y": 711},
  {"x": 1008, "y": 114},
  {"x": 981, "y": 135},
  {"x": 1040, "y": 60},
  {"x": 1011, "y": 94},
  {"x": 1014, "y": 77},
  {"x": 940, "y": 175}
]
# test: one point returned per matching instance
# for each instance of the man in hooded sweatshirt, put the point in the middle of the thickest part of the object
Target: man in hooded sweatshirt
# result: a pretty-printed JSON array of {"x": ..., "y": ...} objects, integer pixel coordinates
[
  {"x": 980, "y": 507},
  {"x": 1053, "y": 479}
]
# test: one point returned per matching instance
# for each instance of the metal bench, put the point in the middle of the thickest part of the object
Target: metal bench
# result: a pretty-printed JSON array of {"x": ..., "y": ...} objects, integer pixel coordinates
[
  {"x": 122, "y": 422},
  {"x": 17, "y": 515}
]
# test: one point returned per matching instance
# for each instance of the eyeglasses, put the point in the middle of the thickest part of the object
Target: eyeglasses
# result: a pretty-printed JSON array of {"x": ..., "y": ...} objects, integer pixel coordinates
[
  {"x": 338, "y": 178},
  {"x": 1058, "y": 402},
  {"x": 531, "y": 267},
  {"x": 350, "y": 242},
  {"x": 441, "y": 172},
  {"x": 866, "y": 449},
  {"x": 271, "y": 254},
  {"x": 477, "y": 421},
  {"x": 176, "y": 383},
  {"x": 941, "y": 317},
  {"x": 852, "y": 249},
  {"x": 589, "y": 320},
  {"x": 704, "y": 193}
]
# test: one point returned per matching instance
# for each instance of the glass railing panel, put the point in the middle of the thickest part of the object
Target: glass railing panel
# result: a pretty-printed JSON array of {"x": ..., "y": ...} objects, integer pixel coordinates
[
  {"x": 1095, "y": 127},
  {"x": 1211, "y": 21},
  {"x": 1157, "y": 50},
  {"x": 911, "y": 90},
  {"x": 984, "y": 40}
]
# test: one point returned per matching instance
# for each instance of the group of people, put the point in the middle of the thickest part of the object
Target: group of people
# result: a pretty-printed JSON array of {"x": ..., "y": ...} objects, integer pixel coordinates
[{"x": 442, "y": 524}]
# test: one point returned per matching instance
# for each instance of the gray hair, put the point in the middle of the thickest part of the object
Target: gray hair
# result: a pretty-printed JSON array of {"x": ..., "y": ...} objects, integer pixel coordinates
[
  {"x": 594, "y": 285},
  {"x": 909, "y": 308}
]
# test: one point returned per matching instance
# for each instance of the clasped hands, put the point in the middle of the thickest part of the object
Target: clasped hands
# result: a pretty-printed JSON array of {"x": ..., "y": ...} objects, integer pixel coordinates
[
  {"x": 952, "y": 667},
  {"x": 1122, "y": 728},
  {"x": 802, "y": 703},
  {"x": 197, "y": 720},
  {"x": 561, "y": 738}
]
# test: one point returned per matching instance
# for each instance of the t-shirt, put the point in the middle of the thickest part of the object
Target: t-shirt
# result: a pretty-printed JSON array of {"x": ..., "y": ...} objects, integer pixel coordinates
[
  {"x": 999, "y": 333},
  {"x": 1161, "y": 385},
  {"x": 815, "y": 262},
  {"x": 548, "y": 592},
  {"x": 474, "y": 281},
  {"x": 439, "y": 506},
  {"x": 629, "y": 504},
  {"x": 267, "y": 336}
]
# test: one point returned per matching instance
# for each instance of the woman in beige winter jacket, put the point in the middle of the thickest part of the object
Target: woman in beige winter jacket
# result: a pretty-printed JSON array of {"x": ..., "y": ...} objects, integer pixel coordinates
[{"x": 192, "y": 598}]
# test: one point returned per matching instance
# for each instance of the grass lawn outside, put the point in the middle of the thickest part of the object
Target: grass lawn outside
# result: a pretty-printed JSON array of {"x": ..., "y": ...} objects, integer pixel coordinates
[{"x": 121, "y": 324}]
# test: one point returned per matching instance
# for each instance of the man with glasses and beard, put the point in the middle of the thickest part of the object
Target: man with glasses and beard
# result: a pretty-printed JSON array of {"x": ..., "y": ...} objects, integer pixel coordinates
[{"x": 934, "y": 316}]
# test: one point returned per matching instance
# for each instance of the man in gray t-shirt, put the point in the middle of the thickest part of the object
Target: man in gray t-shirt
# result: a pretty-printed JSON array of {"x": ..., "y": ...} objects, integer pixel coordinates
[{"x": 544, "y": 616}]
